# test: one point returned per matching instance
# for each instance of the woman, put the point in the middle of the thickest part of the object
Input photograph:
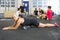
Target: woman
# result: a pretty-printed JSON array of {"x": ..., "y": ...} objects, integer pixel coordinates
[{"x": 28, "y": 21}]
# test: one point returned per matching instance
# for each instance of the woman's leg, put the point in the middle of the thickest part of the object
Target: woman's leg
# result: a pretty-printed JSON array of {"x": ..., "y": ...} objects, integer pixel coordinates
[{"x": 48, "y": 25}]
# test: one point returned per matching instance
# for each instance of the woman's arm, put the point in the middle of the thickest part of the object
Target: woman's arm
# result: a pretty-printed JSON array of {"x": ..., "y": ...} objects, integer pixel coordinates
[{"x": 13, "y": 27}]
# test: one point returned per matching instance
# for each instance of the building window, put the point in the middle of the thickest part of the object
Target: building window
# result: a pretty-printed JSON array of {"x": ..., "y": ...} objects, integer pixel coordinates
[
  {"x": 40, "y": 4},
  {"x": 0, "y": 1},
  {"x": 12, "y": 2},
  {"x": 12, "y": 5},
  {"x": 7, "y": 3},
  {"x": 2, "y": 5},
  {"x": 34, "y": 3},
  {"x": 7, "y": 0}
]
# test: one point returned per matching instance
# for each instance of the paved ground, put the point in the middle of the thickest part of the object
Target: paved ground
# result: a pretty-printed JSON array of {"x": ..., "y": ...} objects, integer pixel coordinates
[{"x": 30, "y": 34}]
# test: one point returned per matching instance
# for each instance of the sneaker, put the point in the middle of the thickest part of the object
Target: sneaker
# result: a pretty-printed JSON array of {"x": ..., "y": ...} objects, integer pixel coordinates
[
  {"x": 26, "y": 27},
  {"x": 56, "y": 25}
]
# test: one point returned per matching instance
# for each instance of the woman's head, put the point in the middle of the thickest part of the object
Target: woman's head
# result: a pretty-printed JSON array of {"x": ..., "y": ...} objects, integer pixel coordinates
[
  {"x": 18, "y": 9},
  {"x": 35, "y": 8},
  {"x": 49, "y": 7},
  {"x": 22, "y": 4}
]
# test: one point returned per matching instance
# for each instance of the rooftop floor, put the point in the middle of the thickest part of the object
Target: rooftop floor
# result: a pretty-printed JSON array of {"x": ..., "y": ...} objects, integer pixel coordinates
[{"x": 30, "y": 34}]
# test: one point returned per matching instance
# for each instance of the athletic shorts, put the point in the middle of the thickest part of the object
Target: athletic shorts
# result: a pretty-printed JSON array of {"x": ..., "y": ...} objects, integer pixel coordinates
[{"x": 34, "y": 22}]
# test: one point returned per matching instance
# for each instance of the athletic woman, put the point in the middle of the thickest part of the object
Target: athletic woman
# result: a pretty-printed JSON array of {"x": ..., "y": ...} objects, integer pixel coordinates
[{"x": 28, "y": 21}]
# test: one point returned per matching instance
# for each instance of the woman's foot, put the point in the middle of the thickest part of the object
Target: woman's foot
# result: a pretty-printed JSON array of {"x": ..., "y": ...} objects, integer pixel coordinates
[{"x": 56, "y": 25}]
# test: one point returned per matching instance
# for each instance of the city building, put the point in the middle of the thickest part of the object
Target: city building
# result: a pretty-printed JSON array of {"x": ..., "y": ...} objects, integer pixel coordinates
[{"x": 12, "y": 5}]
